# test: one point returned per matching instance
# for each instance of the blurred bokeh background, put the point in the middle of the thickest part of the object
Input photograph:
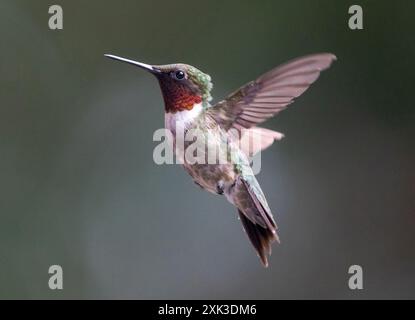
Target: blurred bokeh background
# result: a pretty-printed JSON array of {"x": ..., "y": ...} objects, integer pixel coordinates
[{"x": 79, "y": 187}]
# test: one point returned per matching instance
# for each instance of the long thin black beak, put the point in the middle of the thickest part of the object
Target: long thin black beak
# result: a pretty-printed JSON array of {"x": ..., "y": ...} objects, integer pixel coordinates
[{"x": 144, "y": 66}]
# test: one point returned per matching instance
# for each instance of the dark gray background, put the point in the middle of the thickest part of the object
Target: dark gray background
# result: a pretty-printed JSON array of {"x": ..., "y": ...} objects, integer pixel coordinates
[{"x": 79, "y": 187}]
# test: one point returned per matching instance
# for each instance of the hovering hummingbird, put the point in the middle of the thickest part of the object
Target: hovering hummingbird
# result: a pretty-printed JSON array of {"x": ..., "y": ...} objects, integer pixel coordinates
[{"x": 186, "y": 93}]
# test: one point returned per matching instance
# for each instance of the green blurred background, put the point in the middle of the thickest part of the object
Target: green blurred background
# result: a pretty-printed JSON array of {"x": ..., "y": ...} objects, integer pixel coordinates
[{"x": 79, "y": 187}]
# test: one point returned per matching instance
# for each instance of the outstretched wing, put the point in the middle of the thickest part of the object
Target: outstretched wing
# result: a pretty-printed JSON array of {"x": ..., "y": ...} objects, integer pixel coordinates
[{"x": 271, "y": 93}]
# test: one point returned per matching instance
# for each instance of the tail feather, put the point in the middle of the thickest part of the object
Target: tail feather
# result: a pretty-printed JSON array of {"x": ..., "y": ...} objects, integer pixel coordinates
[
  {"x": 261, "y": 238},
  {"x": 256, "y": 217}
]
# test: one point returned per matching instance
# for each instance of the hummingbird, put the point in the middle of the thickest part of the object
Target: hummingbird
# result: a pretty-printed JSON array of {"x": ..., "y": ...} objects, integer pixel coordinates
[{"x": 186, "y": 93}]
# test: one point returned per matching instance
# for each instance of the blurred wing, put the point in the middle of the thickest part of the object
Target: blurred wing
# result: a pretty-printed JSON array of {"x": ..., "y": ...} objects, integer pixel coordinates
[{"x": 271, "y": 93}]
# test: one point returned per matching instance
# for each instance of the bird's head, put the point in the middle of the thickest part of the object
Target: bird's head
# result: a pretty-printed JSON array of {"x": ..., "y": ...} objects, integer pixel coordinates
[{"x": 182, "y": 85}]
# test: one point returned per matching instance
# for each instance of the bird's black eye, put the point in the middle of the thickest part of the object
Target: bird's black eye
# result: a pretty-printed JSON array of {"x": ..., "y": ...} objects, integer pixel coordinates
[{"x": 179, "y": 75}]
